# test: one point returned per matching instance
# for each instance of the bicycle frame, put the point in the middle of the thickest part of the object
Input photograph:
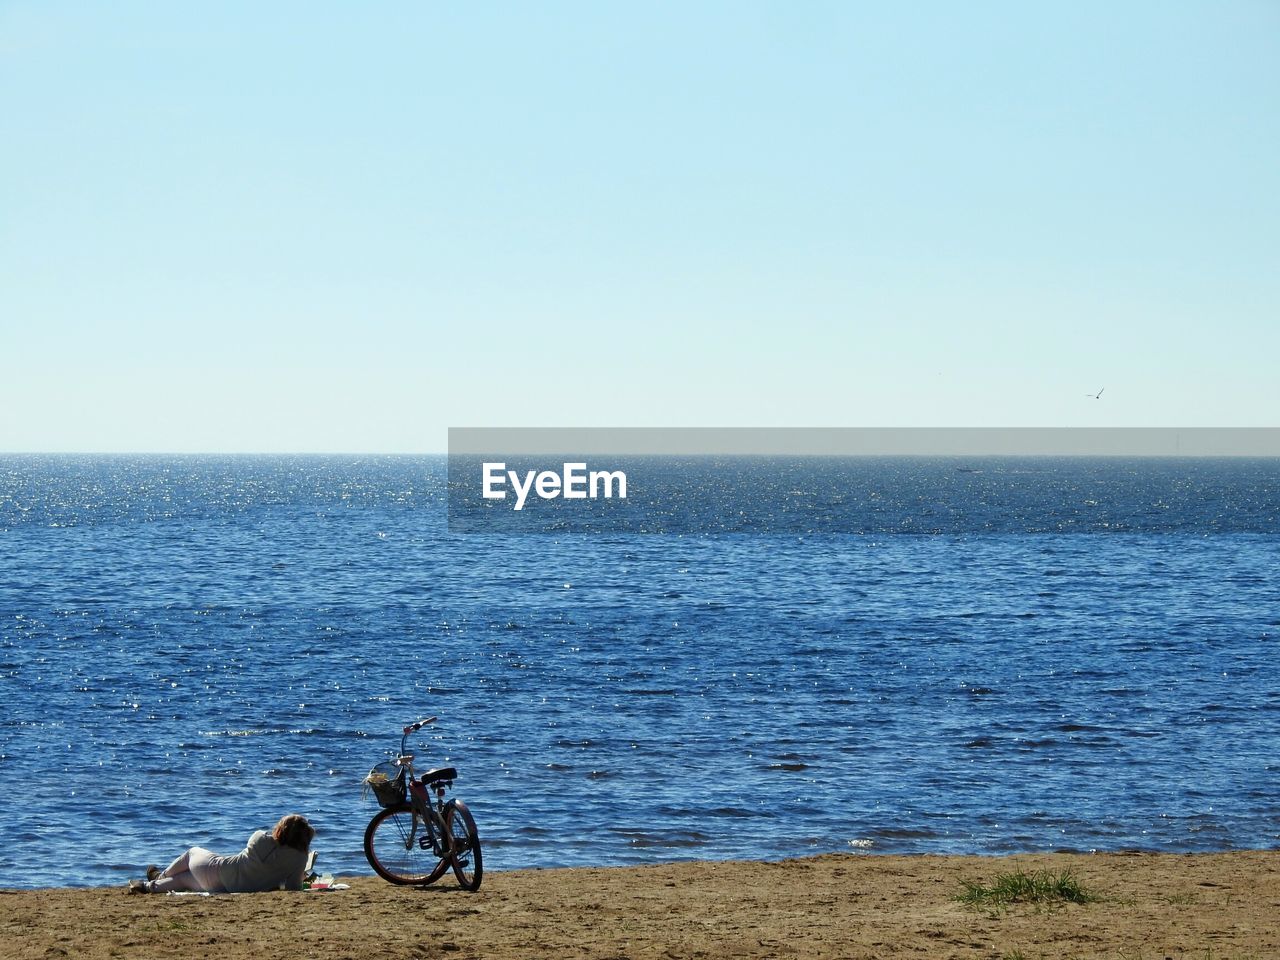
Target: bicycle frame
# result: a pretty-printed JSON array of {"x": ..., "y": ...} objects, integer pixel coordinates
[{"x": 437, "y": 838}]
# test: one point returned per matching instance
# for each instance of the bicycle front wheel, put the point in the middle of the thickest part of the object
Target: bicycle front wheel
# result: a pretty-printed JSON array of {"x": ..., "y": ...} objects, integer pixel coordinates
[
  {"x": 467, "y": 865},
  {"x": 394, "y": 843}
]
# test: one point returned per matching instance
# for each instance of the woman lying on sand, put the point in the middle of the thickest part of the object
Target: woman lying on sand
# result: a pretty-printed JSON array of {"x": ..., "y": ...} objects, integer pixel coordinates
[{"x": 269, "y": 861}]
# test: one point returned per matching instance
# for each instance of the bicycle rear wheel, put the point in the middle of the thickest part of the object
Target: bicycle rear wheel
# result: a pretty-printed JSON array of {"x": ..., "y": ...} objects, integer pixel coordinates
[
  {"x": 393, "y": 844},
  {"x": 467, "y": 864}
]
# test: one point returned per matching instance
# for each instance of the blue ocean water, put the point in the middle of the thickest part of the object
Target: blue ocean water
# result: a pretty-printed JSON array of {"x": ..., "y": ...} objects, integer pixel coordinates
[{"x": 192, "y": 646}]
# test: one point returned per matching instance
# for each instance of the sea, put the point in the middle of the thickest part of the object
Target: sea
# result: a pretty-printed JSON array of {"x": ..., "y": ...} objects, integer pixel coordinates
[{"x": 1068, "y": 654}]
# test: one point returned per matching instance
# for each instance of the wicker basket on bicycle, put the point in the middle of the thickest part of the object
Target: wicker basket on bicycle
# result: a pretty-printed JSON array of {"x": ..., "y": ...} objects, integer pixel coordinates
[{"x": 387, "y": 781}]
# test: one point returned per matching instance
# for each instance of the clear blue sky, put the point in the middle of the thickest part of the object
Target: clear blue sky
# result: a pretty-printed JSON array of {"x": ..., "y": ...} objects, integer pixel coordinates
[{"x": 346, "y": 227}]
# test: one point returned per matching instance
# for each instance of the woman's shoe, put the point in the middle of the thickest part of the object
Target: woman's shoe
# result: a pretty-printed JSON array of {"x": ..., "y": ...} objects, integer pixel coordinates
[
  {"x": 153, "y": 872},
  {"x": 138, "y": 886}
]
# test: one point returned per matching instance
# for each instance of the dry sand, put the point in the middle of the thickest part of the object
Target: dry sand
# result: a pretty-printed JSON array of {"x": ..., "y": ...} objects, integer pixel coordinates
[{"x": 1220, "y": 906}]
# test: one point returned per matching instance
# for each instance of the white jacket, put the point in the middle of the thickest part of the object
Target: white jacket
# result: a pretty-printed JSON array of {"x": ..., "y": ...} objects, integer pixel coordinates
[{"x": 262, "y": 865}]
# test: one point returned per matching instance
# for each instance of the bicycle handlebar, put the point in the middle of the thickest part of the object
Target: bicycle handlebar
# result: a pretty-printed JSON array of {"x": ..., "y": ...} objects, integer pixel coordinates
[{"x": 415, "y": 727}]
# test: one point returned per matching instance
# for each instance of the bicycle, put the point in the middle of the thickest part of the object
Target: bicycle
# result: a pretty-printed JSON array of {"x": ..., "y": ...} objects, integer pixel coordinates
[{"x": 414, "y": 840}]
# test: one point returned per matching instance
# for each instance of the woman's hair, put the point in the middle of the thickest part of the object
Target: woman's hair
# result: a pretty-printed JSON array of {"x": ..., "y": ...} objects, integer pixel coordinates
[{"x": 294, "y": 831}]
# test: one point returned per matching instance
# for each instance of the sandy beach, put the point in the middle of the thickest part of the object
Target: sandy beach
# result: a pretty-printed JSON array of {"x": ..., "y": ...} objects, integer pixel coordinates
[{"x": 1219, "y": 906}]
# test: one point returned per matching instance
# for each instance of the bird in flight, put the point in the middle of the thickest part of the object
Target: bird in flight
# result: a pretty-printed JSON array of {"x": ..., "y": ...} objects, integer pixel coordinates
[{"x": 1097, "y": 395}]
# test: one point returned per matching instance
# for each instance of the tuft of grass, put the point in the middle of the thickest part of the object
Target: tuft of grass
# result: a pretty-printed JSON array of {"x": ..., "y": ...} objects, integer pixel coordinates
[{"x": 1040, "y": 886}]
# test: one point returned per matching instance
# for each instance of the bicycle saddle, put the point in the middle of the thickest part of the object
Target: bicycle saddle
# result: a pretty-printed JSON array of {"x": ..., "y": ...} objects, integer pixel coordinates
[{"x": 439, "y": 776}]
